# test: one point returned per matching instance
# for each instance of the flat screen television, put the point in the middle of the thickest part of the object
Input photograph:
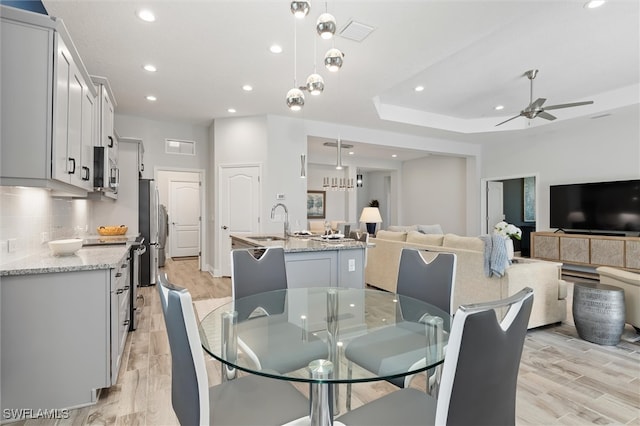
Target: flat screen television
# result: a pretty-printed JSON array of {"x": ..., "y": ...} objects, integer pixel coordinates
[{"x": 600, "y": 206}]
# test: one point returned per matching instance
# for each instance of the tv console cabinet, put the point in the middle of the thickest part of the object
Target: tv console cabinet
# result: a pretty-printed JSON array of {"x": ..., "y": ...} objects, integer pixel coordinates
[{"x": 587, "y": 251}]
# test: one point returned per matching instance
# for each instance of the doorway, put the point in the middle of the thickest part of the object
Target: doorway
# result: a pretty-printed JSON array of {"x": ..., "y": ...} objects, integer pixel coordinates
[
  {"x": 182, "y": 191},
  {"x": 513, "y": 199}
]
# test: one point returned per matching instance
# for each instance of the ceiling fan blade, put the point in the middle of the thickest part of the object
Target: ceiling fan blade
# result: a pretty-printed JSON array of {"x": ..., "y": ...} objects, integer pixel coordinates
[
  {"x": 546, "y": 115},
  {"x": 568, "y": 105},
  {"x": 537, "y": 103},
  {"x": 508, "y": 120}
]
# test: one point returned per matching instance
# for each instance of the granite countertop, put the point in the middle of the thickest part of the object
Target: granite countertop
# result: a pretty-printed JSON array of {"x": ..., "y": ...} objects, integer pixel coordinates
[
  {"x": 85, "y": 259},
  {"x": 300, "y": 243}
]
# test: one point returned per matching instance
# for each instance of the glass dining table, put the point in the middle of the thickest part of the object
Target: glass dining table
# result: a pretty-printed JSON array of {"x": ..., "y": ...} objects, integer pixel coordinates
[{"x": 303, "y": 335}]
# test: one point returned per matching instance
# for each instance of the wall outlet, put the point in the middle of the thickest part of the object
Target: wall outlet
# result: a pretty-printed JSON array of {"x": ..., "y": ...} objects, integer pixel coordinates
[
  {"x": 280, "y": 197},
  {"x": 11, "y": 245},
  {"x": 352, "y": 265}
]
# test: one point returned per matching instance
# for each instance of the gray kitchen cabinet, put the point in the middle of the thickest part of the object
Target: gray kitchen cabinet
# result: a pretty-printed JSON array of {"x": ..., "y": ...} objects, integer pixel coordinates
[
  {"x": 62, "y": 336},
  {"x": 107, "y": 137},
  {"x": 44, "y": 106}
]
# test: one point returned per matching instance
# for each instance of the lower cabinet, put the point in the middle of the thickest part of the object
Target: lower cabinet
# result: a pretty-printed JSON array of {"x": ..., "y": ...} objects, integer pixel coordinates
[{"x": 62, "y": 336}]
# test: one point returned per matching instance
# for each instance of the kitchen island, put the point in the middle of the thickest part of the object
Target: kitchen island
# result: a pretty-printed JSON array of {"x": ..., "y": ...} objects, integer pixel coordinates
[{"x": 314, "y": 261}]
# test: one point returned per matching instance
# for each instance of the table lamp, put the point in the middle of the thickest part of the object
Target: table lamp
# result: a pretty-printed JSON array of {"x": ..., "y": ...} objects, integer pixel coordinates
[{"x": 371, "y": 216}]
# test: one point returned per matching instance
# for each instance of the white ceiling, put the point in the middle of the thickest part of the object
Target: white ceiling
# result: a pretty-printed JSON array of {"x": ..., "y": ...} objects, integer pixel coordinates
[{"x": 469, "y": 56}]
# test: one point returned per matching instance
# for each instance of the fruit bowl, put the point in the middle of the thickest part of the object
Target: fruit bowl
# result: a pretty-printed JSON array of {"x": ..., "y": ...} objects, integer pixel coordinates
[
  {"x": 112, "y": 230},
  {"x": 65, "y": 247}
]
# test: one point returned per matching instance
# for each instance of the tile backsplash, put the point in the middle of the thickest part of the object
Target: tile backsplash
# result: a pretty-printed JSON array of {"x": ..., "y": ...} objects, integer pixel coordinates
[{"x": 30, "y": 217}]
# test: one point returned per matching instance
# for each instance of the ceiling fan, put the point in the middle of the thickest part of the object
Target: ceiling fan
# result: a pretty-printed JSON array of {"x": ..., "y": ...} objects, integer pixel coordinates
[{"x": 535, "y": 109}]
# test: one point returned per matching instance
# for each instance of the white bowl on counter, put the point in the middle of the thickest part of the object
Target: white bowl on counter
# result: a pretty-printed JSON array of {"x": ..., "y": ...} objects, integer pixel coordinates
[{"x": 65, "y": 247}]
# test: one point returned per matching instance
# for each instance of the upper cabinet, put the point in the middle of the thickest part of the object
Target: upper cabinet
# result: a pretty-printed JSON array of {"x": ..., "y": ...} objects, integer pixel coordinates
[
  {"x": 107, "y": 178},
  {"x": 49, "y": 106}
]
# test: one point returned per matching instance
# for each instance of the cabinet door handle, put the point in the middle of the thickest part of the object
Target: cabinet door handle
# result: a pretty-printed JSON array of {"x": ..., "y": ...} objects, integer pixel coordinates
[
  {"x": 125, "y": 288},
  {"x": 73, "y": 163},
  {"x": 126, "y": 322},
  {"x": 110, "y": 141},
  {"x": 119, "y": 291},
  {"x": 85, "y": 169},
  {"x": 119, "y": 274},
  {"x": 124, "y": 265}
]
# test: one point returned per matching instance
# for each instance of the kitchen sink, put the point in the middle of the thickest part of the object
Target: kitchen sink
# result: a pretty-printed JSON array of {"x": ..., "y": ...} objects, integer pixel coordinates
[{"x": 267, "y": 238}]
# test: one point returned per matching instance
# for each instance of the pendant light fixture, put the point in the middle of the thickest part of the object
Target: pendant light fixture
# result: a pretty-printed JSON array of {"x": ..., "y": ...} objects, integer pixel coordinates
[
  {"x": 300, "y": 9},
  {"x": 315, "y": 82},
  {"x": 295, "y": 97},
  {"x": 359, "y": 180},
  {"x": 339, "y": 155},
  {"x": 333, "y": 59},
  {"x": 326, "y": 26}
]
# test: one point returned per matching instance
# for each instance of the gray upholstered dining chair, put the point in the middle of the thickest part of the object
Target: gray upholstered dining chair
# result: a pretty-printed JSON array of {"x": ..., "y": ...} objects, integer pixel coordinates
[
  {"x": 260, "y": 270},
  {"x": 271, "y": 401},
  {"x": 429, "y": 281},
  {"x": 479, "y": 377}
]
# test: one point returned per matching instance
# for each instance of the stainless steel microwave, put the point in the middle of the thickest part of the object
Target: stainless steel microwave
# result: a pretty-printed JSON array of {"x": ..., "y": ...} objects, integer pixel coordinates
[{"x": 106, "y": 175}]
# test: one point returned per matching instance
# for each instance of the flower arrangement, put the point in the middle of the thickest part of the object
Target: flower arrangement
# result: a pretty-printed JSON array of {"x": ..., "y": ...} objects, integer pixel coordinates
[{"x": 507, "y": 230}]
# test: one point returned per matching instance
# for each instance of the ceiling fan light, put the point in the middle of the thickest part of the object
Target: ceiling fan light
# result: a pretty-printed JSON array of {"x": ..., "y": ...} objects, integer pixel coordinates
[
  {"x": 333, "y": 59},
  {"x": 295, "y": 99},
  {"x": 326, "y": 26},
  {"x": 315, "y": 84},
  {"x": 300, "y": 9}
]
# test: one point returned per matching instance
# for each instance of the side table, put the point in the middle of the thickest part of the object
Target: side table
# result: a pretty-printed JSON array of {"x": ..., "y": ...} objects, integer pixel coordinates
[{"x": 598, "y": 312}]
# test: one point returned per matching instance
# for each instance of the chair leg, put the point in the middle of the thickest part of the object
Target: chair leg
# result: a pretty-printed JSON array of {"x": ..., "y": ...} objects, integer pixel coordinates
[{"x": 349, "y": 374}]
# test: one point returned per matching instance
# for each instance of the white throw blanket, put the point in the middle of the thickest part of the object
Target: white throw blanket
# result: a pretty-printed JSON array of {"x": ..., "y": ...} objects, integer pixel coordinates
[{"x": 496, "y": 259}]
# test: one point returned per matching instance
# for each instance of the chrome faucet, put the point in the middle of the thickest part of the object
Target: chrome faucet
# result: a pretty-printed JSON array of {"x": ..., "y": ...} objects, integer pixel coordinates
[{"x": 286, "y": 218}]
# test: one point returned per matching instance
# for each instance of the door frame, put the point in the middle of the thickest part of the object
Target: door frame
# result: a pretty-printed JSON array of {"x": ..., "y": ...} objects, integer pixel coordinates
[
  {"x": 203, "y": 203},
  {"x": 483, "y": 196}
]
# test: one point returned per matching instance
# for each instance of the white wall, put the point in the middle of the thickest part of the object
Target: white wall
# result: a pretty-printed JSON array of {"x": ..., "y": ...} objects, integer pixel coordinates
[
  {"x": 600, "y": 150},
  {"x": 434, "y": 192}
]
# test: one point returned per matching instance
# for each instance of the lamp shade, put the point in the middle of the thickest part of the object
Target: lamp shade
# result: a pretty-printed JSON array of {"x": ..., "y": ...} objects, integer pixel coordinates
[{"x": 370, "y": 215}]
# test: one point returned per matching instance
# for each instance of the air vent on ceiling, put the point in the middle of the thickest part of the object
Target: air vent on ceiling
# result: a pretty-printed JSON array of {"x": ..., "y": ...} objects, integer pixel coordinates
[
  {"x": 356, "y": 31},
  {"x": 335, "y": 145}
]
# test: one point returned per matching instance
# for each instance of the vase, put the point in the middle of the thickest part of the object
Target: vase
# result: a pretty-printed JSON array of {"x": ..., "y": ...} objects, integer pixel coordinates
[
  {"x": 371, "y": 228},
  {"x": 508, "y": 242}
]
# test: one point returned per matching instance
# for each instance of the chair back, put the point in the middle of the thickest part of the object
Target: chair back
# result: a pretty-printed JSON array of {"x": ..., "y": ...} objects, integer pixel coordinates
[
  {"x": 480, "y": 371},
  {"x": 256, "y": 271},
  {"x": 431, "y": 282},
  {"x": 189, "y": 385}
]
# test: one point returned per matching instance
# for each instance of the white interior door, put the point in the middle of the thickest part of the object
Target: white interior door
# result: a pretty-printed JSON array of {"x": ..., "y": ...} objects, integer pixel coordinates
[
  {"x": 495, "y": 207},
  {"x": 184, "y": 218},
  {"x": 239, "y": 189}
]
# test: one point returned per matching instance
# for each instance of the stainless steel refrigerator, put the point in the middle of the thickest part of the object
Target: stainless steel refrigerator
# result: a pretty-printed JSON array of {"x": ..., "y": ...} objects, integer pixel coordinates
[{"x": 148, "y": 227}]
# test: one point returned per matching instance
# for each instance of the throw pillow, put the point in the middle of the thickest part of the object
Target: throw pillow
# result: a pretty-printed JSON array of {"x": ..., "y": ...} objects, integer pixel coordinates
[
  {"x": 416, "y": 237},
  {"x": 401, "y": 228},
  {"x": 430, "y": 229},
  {"x": 391, "y": 235},
  {"x": 467, "y": 243}
]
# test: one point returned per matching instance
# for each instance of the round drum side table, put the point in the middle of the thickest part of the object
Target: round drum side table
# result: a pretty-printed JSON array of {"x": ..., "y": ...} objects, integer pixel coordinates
[{"x": 598, "y": 312}]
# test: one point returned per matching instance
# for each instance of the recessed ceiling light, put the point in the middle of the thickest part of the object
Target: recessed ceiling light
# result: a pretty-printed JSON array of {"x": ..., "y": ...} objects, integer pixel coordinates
[
  {"x": 419, "y": 88},
  {"x": 351, "y": 152},
  {"x": 146, "y": 15},
  {"x": 499, "y": 107},
  {"x": 593, "y": 4},
  {"x": 151, "y": 98},
  {"x": 394, "y": 155},
  {"x": 150, "y": 68},
  {"x": 247, "y": 88},
  {"x": 275, "y": 48},
  {"x": 231, "y": 110}
]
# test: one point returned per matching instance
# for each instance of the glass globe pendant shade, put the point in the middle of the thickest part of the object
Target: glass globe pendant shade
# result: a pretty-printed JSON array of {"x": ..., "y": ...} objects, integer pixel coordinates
[
  {"x": 326, "y": 26},
  {"x": 300, "y": 9},
  {"x": 315, "y": 84},
  {"x": 333, "y": 59},
  {"x": 295, "y": 99}
]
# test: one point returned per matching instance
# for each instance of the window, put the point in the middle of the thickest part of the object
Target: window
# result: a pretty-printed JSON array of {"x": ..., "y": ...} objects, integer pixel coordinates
[{"x": 175, "y": 146}]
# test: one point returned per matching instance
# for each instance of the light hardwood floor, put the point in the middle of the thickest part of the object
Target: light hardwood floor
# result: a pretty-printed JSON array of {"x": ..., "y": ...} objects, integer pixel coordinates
[{"x": 563, "y": 380}]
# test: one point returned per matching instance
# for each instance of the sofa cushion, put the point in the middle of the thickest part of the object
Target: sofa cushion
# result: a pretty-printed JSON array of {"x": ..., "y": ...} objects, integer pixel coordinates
[
  {"x": 467, "y": 243},
  {"x": 401, "y": 228},
  {"x": 430, "y": 229},
  {"x": 391, "y": 235},
  {"x": 417, "y": 237}
]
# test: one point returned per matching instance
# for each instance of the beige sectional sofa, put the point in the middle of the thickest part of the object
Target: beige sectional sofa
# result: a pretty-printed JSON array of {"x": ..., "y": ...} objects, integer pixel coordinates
[{"x": 471, "y": 284}]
